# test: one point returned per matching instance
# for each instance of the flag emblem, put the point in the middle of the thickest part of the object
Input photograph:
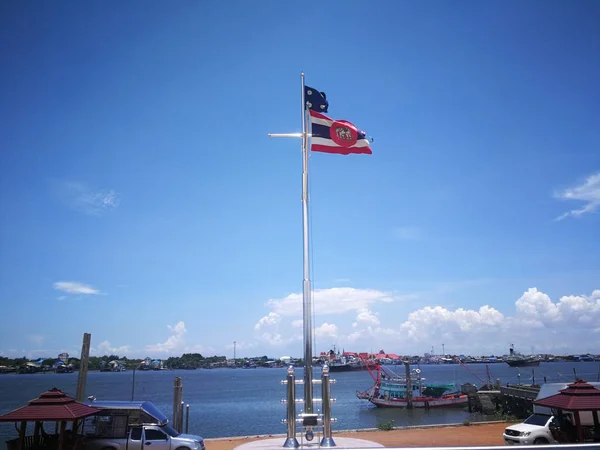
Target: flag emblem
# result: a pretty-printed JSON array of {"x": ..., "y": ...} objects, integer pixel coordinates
[{"x": 343, "y": 134}]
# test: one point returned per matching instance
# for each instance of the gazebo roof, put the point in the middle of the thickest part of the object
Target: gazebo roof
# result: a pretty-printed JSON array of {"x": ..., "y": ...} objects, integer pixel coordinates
[
  {"x": 53, "y": 405},
  {"x": 578, "y": 396}
]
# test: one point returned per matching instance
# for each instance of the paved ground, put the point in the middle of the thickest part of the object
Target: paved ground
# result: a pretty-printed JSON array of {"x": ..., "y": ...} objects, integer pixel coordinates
[{"x": 471, "y": 436}]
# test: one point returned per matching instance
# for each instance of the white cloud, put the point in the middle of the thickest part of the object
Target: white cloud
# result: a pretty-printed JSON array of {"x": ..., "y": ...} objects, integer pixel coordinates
[
  {"x": 175, "y": 343},
  {"x": 587, "y": 192},
  {"x": 105, "y": 348},
  {"x": 326, "y": 330},
  {"x": 579, "y": 310},
  {"x": 267, "y": 321},
  {"x": 331, "y": 301},
  {"x": 366, "y": 316},
  {"x": 85, "y": 199},
  {"x": 569, "y": 324},
  {"x": 406, "y": 233},
  {"x": 73, "y": 287}
]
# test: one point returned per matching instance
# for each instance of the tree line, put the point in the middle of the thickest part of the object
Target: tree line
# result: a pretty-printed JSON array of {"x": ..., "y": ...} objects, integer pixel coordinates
[{"x": 185, "y": 361}]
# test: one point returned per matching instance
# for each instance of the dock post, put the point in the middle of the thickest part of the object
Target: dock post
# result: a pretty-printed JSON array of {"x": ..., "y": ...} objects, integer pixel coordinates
[
  {"x": 83, "y": 367},
  {"x": 177, "y": 388},
  {"x": 181, "y": 417},
  {"x": 409, "y": 403},
  {"x": 187, "y": 418},
  {"x": 291, "y": 441},
  {"x": 327, "y": 440}
]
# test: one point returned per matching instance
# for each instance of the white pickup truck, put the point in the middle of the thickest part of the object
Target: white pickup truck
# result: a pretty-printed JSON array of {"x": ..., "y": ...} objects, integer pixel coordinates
[
  {"x": 534, "y": 430},
  {"x": 537, "y": 428},
  {"x": 154, "y": 436},
  {"x": 134, "y": 426}
]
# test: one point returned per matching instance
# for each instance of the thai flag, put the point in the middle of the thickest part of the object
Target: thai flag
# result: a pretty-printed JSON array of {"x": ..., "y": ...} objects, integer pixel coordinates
[{"x": 337, "y": 136}]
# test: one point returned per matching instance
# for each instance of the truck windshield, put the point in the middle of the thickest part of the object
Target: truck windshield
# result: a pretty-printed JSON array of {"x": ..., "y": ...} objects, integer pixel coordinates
[
  {"x": 170, "y": 431},
  {"x": 537, "y": 419}
]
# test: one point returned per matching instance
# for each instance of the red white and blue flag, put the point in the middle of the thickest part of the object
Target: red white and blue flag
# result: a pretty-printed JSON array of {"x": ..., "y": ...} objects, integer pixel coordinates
[{"x": 337, "y": 136}]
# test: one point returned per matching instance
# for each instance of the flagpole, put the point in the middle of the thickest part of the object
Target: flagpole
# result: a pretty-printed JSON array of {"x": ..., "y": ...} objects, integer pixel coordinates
[{"x": 306, "y": 292}]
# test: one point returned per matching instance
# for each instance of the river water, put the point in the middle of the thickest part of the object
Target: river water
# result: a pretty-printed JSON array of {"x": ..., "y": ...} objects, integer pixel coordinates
[{"x": 242, "y": 402}]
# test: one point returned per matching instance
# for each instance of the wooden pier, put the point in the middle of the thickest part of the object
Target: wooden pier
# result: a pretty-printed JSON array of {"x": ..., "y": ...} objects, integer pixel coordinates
[{"x": 513, "y": 400}]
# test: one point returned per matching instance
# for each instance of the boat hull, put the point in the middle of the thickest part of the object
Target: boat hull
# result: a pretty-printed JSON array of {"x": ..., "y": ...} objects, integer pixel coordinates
[
  {"x": 420, "y": 402},
  {"x": 523, "y": 363},
  {"x": 345, "y": 368}
]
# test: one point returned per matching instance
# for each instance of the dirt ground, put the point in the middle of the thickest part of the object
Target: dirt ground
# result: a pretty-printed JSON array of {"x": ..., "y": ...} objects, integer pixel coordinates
[{"x": 473, "y": 435}]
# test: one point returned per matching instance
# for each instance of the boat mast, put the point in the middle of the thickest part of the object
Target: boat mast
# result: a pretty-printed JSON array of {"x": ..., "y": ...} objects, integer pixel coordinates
[{"x": 306, "y": 292}]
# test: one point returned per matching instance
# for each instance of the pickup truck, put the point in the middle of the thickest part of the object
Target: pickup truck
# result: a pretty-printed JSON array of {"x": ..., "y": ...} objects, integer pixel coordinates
[
  {"x": 155, "y": 437},
  {"x": 534, "y": 430}
]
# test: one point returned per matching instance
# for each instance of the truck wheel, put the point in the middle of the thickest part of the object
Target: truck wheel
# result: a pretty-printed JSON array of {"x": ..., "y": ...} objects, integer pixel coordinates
[
  {"x": 541, "y": 441},
  {"x": 182, "y": 448}
]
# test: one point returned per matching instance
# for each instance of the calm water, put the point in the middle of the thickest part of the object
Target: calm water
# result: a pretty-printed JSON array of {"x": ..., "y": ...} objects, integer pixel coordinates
[{"x": 240, "y": 402}]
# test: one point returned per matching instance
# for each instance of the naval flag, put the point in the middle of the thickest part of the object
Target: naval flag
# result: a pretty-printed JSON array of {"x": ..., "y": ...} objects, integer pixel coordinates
[
  {"x": 315, "y": 100},
  {"x": 337, "y": 136}
]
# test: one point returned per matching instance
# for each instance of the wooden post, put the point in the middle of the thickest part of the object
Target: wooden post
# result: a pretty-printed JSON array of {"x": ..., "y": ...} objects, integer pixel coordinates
[
  {"x": 177, "y": 395},
  {"x": 22, "y": 432},
  {"x": 409, "y": 404},
  {"x": 61, "y": 435},
  {"x": 83, "y": 367},
  {"x": 36, "y": 433},
  {"x": 578, "y": 426}
]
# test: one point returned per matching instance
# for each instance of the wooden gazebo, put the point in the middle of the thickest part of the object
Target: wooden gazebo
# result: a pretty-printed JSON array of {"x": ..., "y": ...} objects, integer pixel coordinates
[
  {"x": 576, "y": 398},
  {"x": 52, "y": 406}
]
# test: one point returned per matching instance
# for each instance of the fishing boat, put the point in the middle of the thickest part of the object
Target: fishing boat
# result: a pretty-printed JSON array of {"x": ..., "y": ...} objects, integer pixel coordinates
[{"x": 393, "y": 391}]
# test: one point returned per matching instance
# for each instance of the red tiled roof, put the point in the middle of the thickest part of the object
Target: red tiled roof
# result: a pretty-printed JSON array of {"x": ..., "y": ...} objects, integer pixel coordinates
[
  {"x": 53, "y": 405},
  {"x": 578, "y": 396}
]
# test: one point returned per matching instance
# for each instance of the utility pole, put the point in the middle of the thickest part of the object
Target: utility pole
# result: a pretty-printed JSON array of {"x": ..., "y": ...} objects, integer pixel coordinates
[{"x": 234, "y": 353}]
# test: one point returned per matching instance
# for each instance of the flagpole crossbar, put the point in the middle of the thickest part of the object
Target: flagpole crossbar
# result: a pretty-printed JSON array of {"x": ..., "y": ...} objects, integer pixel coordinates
[{"x": 285, "y": 135}]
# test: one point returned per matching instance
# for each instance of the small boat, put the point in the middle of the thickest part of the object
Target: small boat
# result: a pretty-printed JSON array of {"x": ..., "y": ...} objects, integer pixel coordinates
[{"x": 392, "y": 391}]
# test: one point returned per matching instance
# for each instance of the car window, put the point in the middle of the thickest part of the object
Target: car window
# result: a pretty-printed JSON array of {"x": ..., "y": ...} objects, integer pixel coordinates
[
  {"x": 155, "y": 435},
  {"x": 136, "y": 434}
]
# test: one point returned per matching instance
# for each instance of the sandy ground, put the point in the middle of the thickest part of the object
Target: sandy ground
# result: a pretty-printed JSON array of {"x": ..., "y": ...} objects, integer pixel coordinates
[{"x": 473, "y": 435}]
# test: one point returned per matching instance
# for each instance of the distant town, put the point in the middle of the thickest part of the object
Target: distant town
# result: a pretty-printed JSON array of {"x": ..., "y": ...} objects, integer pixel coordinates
[{"x": 64, "y": 363}]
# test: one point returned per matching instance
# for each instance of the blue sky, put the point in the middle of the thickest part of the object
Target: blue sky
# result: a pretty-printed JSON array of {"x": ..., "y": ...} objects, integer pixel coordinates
[{"x": 143, "y": 202}]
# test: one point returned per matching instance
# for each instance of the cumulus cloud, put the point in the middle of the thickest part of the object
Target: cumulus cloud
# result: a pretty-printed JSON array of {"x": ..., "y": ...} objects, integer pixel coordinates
[
  {"x": 268, "y": 321},
  {"x": 331, "y": 301},
  {"x": 367, "y": 317},
  {"x": 580, "y": 310},
  {"x": 587, "y": 192},
  {"x": 175, "y": 343},
  {"x": 74, "y": 287},
  {"x": 535, "y": 320},
  {"x": 326, "y": 330},
  {"x": 106, "y": 348}
]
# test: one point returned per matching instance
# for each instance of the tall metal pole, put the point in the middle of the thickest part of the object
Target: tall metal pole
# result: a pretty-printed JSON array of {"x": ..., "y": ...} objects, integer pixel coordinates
[{"x": 306, "y": 300}]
